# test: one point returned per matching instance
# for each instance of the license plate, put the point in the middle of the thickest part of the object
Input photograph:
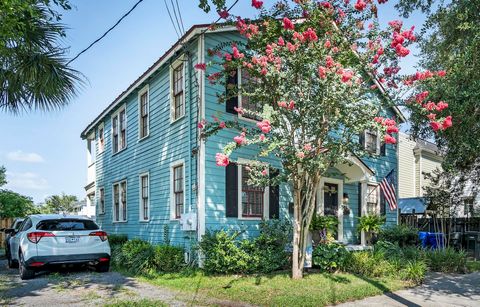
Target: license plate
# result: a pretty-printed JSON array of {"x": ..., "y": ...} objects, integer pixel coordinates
[{"x": 72, "y": 239}]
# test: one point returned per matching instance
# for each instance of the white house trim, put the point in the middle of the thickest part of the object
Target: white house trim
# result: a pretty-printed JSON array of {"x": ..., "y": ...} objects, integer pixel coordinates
[
  {"x": 320, "y": 202},
  {"x": 121, "y": 218},
  {"x": 266, "y": 193},
  {"x": 201, "y": 208},
  {"x": 140, "y": 204},
  {"x": 145, "y": 89},
  {"x": 117, "y": 114},
  {"x": 175, "y": 64},
  {"x": 172, "y": 194}
]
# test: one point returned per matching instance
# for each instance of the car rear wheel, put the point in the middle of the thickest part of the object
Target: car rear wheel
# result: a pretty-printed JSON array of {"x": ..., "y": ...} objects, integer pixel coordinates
[
  {"x": 25, "y": 272},
  {"x": 12, "y": 264},
  {"x": 103, "y": 267}
]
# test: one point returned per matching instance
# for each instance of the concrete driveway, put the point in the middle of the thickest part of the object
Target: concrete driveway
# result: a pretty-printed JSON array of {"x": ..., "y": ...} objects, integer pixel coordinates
[{"x": 438, "y": 290}]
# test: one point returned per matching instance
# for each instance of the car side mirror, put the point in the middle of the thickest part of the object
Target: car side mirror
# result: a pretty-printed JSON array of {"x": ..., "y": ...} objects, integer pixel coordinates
[{"x": 9, "y": 230}]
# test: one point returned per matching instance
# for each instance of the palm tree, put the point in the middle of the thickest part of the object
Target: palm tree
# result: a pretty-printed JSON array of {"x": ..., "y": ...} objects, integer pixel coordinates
[{"x": 34, "y": 72}]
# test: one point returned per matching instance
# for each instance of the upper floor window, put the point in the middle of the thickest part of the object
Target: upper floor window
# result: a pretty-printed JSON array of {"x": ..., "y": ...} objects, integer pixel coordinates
[
  {"x": 143, "y": 101},
  {"x": 101, "y": 201},
  {"x": 178, "y": 187},
  {"x": 252, "y": 196},
  {"x": 240, "y": 81},
  {"x": 370, "y": 141},
  {"x": 372, "y": 199},
  {"x": 144, "y": 198},
  {"x": 119, "y": 131},
  {"x": 178, "y": 97},
  {"x": 120, "y": 201},
  {"x": 101, "y": 139}
]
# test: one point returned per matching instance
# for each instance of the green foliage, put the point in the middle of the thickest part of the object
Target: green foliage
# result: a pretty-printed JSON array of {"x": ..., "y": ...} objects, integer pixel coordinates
[
  {"x": 34, "y": 71},
  {"x": 136, "y": 256},
  {"x": 15, "y": 205},
  {"x": 142, "y": 258},
  {"x": 117, "y": 239},
  {"x": 400, "y": 234},
  {"x": 205, "y": 5},
  {"x": 369, "y": 264},
  {"x": 60, "y": 204},
  {"x": 414, "y": 271},
  {"x": 324, "y": 222},
  {"x": 3, "y": 176},
  {"x": 330, "y": 257},
  {"x": 371, "y": 224},
  {"x": 447, "y": 260},
  {"x": 168, "y": 258},
  {"x": 225, "y": 254}
]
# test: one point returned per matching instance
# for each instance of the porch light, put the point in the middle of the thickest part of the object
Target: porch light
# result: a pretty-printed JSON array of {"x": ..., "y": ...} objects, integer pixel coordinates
[{"x": 345, "y": 198}]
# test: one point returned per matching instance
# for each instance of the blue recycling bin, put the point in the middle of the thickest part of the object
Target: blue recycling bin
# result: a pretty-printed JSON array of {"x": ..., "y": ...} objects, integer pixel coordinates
[
  {"x": 422, "y": 237},
  {"x": 435, "y": 240}
]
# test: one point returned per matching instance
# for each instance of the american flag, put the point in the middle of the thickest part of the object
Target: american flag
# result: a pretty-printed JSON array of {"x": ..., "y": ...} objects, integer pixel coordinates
[{"x": 388, "y": 188}]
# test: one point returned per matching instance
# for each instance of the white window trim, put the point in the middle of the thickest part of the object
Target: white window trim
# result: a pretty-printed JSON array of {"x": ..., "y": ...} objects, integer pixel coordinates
[
  {"x": 140, "y": 203},
  {"x": 145, "y": 89},
  {"x": 98, "y": 201},
  {"x": 172, "y": 194},
  {"x": 178, "y": 62},
  {"x": 239, "y": 82},
  {"x": 377, "y": 191},
  {"x": 266, "y": 193},
  {"x": 101, "y": 126},
  {"x": 117, "y": 114},
  {"x": 320, "y": 202},
  {"x": 120, "y": 202},
  {"x": 92, "y": 149},
  {"x": 377, "y": 150}
]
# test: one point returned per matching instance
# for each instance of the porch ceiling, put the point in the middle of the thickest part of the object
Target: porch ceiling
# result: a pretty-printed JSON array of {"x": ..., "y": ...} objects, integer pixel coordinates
[{"x": 355, "y": 170}]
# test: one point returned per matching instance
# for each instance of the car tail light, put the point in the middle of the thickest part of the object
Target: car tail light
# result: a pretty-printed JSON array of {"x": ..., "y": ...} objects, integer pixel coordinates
[
  {"x": 101, "y": 234},
  {"x": 35, "y": 236},
  {"x": 103, "y": 260},
  {"x": 36, "y": 264}
]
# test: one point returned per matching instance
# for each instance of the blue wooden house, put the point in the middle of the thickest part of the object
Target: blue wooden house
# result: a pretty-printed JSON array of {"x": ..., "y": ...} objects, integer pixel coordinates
[{"x": 150, "y": 175}]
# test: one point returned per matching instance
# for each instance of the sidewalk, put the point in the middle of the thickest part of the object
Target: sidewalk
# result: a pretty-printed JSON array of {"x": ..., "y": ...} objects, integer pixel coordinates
[{"x": 438, "y": 290}]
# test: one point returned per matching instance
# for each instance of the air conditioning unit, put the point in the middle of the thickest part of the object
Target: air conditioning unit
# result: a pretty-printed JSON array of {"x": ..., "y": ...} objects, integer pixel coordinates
[{"x": 188, "y": 221}]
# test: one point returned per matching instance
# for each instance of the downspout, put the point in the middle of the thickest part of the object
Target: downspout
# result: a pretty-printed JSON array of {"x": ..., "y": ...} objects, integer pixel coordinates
[{"x": 190, "y": 128}]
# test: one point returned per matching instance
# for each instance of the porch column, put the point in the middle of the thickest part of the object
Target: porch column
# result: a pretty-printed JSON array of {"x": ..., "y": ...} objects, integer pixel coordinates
[{"x": 363, "y": 211}]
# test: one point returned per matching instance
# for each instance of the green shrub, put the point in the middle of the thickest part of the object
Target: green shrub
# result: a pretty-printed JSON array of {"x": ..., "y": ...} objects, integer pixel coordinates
[
  {"x": 269, "y": 247},
  {"x": 447, "y": 260},
  {"x": 400, "y": 234},
  {"x": 414, "y": 271},
  {"x": 137, "y": 257},
  {"x": 223, "y": 253},
  {"x": 324, "y": 222},
  {"x": 394, "y": 251},
  {"x": 117, "y": 239},
  {"x": 369, "y": 264},
  {"x": 329, "y": 257},
  {"x": 168, "y": 258}
]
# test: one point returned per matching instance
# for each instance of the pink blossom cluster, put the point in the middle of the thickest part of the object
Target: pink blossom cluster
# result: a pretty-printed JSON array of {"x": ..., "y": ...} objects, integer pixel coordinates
[
  {"x": 391, "y": 127},
  {"x": 264, "y": 125},
  {"x": 221, "y": 159},
  {"x": 286, "y": 105}
]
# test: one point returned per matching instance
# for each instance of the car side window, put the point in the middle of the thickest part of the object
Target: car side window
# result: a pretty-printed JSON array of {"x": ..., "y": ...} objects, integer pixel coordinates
[{"x": 26, "y": 225}]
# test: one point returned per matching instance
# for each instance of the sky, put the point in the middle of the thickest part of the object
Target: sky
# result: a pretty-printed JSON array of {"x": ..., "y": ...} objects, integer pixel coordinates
[{"x": 43, "y": 152}]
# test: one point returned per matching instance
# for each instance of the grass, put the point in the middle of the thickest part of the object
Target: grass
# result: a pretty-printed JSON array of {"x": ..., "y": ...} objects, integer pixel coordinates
[
  {"x": 316, "y": 289},
  {"x": 473, "y": 266}
]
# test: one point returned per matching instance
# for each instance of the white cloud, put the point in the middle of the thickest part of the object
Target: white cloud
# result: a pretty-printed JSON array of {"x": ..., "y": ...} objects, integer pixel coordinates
[
  {"x": 26, "y": 181},
  {"x": 30, "y": 157}
]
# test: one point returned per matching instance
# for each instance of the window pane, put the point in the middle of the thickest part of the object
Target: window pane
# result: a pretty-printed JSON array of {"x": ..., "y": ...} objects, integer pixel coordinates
[
  {"x": 252, "y": 197},
  {"x": 123, "y": 189},
  {"x": 116, "y": 205},
  {"x": 248, "y": 84}
]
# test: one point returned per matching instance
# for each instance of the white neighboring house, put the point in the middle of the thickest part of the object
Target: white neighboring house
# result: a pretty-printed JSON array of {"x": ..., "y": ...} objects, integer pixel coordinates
[
  {"x": 86, "y": 208},
  {"x": 417, "y": 157}
]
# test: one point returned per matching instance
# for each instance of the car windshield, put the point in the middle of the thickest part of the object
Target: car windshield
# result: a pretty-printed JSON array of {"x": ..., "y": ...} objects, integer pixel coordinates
[{"x": 66, "y": 224}]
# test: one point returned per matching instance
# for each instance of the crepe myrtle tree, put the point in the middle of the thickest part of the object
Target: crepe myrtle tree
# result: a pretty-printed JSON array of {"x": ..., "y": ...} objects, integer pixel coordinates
[{"x": 319, "y": 74}]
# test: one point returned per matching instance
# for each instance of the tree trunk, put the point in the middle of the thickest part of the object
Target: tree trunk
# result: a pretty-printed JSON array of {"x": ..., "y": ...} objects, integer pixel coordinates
[{"x": 304, "y": 207}]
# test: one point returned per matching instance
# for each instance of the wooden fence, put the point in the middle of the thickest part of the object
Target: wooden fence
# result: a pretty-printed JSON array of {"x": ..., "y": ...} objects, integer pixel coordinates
[
  {"x": 4, "y": 223},
  {"x": 429, "y": 224}
]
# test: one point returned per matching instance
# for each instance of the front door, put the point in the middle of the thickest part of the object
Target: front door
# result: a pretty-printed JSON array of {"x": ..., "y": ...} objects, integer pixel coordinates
[{"x": 330, "y": 199}]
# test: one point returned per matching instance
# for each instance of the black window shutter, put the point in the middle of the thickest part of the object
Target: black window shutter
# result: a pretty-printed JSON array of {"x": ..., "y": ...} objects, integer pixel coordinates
[
  {"x": 360, "y": 199},
  {"x": 274, "y": 197},
  {"x": 231, "y": 190},
  {"x": 361, "y": 139},
  {"x": 382, "y": 203},
  {"x": 232, "y": 83},
  {"x": 383, "y": 148}
]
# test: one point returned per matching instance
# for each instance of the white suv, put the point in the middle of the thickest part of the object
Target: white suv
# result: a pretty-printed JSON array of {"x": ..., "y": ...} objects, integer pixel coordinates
[{"x": 44, "y": 240}]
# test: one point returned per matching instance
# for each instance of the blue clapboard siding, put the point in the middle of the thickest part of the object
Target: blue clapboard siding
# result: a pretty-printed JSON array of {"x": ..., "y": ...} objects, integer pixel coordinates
[{"x": 165, "y": 144}]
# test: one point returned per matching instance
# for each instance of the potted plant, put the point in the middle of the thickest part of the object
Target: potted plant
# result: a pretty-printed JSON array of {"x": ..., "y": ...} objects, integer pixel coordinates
[
  {"x": 323, "y": 228},
  {"x": 371, "y": 225}
]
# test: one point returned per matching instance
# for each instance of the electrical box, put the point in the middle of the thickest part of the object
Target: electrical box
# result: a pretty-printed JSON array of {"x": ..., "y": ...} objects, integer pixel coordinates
[{"x": 188, "y": 221}]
